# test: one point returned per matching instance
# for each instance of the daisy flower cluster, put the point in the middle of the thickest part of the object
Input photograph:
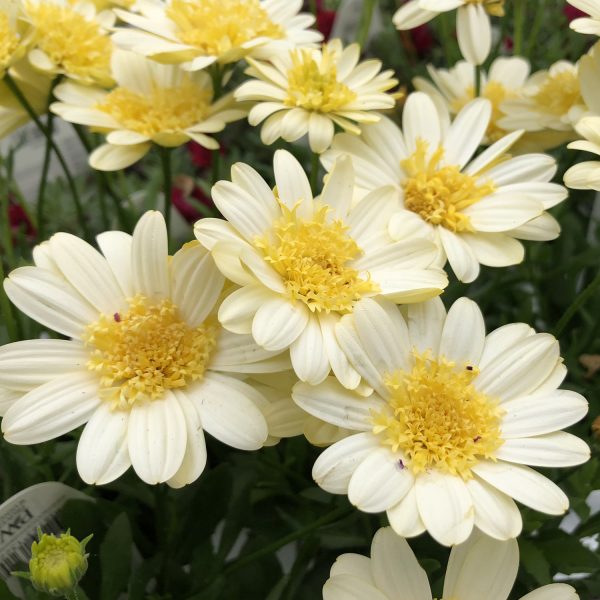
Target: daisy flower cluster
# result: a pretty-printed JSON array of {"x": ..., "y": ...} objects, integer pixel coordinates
[{"x": 307, "y": 301}]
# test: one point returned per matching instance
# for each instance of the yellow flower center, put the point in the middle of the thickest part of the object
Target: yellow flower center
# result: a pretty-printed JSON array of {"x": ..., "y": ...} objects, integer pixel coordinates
[
  {"x": 312, "y": 258},
  {"x": 314, "y": 85},
  {"x": 147, "y": 350},
  {"x": 492, "y": 7},
  {"x": 74, "y": 44},
  {"x": 217, "y": 27},
  {"x": 440, "y": 194},
  {"x": 437, "y": 418},
  {"x": 9, "y": 41},
  {"x": 559, "y": 93},
  {"x": 165, "y": 110}
]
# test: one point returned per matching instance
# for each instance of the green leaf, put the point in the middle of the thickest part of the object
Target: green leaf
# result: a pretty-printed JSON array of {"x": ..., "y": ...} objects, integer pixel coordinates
[
  {"x": 534, "y": 561},
  {"x": 115, "y": 558}
]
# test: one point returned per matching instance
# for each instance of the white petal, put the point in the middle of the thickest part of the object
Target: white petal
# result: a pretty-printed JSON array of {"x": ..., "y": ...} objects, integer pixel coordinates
[
  {"x": 554, "y": 591},
  {"x": 353, "y": 564},
  {"x": 495, "y": 249},
  {"x": 461, "y": 257},
  {"x": 420, "y": 120},
  {"x": 116, "y": 247},
  {"x": 404, "y": 517},
  {"x": 194, "y": 459},
  {"x": 348, "y": 587},
  {"x": 278, "y": 322},
  {"x": 292, "y": 183},
  {"x": 379, "y": 482},
  {"x": 466, "y": 132},
  {"x": 344, "y": 372},
  {"x": 102, "y": 452},
  {"x": 463, "y": 335},
  {"x": 257, "y": 266},
  {"x": 114, "y": 158},
  {"x": 411, "y": 15},
  {"x": 150, "y": 252},
  {"x": 157, "y": 438},
  {"x": 501, "y": 340},
  {"x": 228, "y": 412},
  {"x": 235, "y": 351},
  {"x": 474, "y": 32},
  {"x": 308, "y": 355},
  {"x": 425, "y": 322},
  {"x": 52, "y": 409},
  {"x": 335, "y": 404},
  {"x": 238, "y": 309},
  {"x": 320, "y": 132},
  {"x": 334, "y": 467},
  {"x": 405, "y": 286},
  {"x": 7, "y": 399},
  {"x": 339, "y": 187},
  {"x": 524, "y": 485},
  {"x": 445, "y": 506},
  {"x": 502, "y": 212}
]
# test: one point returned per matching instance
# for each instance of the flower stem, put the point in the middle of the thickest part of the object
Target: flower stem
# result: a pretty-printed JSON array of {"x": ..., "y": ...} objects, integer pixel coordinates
[
  {"x": 165, "y": 158},
  {"x": 41, "y": 196},
  {"x": 519, "y": 18},
  {"x": 6, "y": 310},
  {"x": 365, "y": 22},
  {"x": 14, "y": 88},
  {"x": 535, "y": 28},
  {"x": 314, "y": 172},
  {"x": 579, "y": 301},
  {"x": 477, "y": 81}
]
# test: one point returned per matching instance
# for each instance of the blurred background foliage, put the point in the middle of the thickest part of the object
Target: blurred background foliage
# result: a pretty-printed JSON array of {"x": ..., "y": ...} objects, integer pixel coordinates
[{"x": 255, "y": 526}]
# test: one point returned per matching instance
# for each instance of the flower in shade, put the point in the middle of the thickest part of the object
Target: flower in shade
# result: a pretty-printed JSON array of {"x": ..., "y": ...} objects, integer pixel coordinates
[
  {"x": 152, "y": 103},
  {"x": 198, "y": 34},
  {"x": 454, "y": 88},
  {"x": 310, "y": 91},
  {"x": 13, "y": 34},
  {"x": 473, "y": 26},
  {"x": 589, "y": 13},
  {"x": 70, "y": 39},
  {"x": 444, "y": 441},
  {"x": 303, "y": 262},
  {"x": 481, "y": 567},
  {"x": 146, "y": 366},
  {"x": 475, "y": 208}
]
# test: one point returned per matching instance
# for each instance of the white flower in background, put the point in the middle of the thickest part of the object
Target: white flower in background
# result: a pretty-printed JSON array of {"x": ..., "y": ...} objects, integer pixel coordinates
[
  {"x": 311, "y": 91},
  {"x": 198, "y": 34},
  {"x": 152, "y": 103},
  {"x": 303, "y": 262},
  {"x": 475, "y": 209},
  {"x": 549, "y": 100},
  {"x": 454, "y": 88},
  {"x": 589, "y": 24},
  {"x": 586, "y": 175},
  {"x": 147, "y": 366},
  {"x": 473, "y": 25},
  {"x": 481, "y": 567},
  {"x": 70, "y": 39},
  {"x": 443, "y": 442}
]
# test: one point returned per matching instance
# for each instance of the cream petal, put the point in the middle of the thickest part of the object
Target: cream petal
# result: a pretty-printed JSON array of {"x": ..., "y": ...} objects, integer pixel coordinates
[
  {"x": 490, "y": 154},
  {"x": 501, "y": 340},
  {"x": 445, "y": 506},
  {"x": 425, "y": 322},
  {"x": 404, "y": 517},
  {"x": 292, "y": 183},
  {"x": 149, "y": 256},
  {"x": 245, "y": 177},
  {"x": 348, "y": 587},
  {"x": 52, "y": 409},
  {"x": 461, "y": 257},
  {"x": 102, "y": 452},
  {"x": 339, "y": 187},
  {"x": 420, "y": 120},
  {"x": 554, "y": 591},
  {"x": 527, "y": 168},
  {"x": 238, "y": 309},
  {"x": 261, "y": 269},
  {"x": 320, "y": 132},
  {"x": 463, "y": 335},
  {"x": 7, "y": 399},
  {"x": 405, "y": 286},
  {"x": 235, "y": 351},
  {"x": 294, "y": 124},
  {"x": 308, "y": 355},
  {"x": 466, "y": 132},
  {"x": 341, "y": 367},
  {"x": 495, "y": 249},
  {"x": 278, "y": 323},
  {"x": 474, "y": 32},
  {"x": 411, "y": 15},
  {"x": 541, "y": 229},
  {"x": 353, "y": 564},
  {"x": 116, "y": 247},
  {"x": 502, "y": 212},
  {"x": 114, "y": 158}
]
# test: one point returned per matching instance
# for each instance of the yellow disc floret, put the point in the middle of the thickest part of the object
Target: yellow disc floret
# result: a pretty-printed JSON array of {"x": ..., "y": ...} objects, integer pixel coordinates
[
  {"x": 73, "y": 43},
  {"x": 312, "y": 257},
  {"x": 314, "y": 85},
  {"x": 148, "y": 349},
  {"x": 437, "y": 417},
  {"x": 439, "y": 194},
  {"x": 164, "y": 110},
  {"x": 9, "y": 42},
  {"x": 492, "y": 7},
  {"x": 220, "y": 27},
  {"x": 559, "y": 93}
]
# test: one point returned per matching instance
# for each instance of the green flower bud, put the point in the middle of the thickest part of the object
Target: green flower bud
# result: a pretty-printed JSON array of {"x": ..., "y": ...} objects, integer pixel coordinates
[{"x": 57, "y": 563}]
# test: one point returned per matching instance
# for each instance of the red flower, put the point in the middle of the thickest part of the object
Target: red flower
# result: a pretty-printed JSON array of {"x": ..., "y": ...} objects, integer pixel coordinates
[
  {"x": 325, "y": 19},
  {"x": 184, "y": 189},
  {"x": 201, "y": 156},
  {"x": 422, "y": 39},
  {"x": 572, "y": 13},
  {"x": 19, "y": 220}
]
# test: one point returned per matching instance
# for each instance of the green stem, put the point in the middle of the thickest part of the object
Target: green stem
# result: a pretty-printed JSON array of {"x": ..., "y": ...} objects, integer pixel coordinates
[
  {"x": 42, "y": 187},
  {"x": 314, "y": 172},
  {"x": 535, "y": 28},
  {"x": 14, "y": 88},
  {"x": 579, "y": 301},
  {"x": 365, "y": 22},
  {"x": 337, "y": 514},
  {"x": 6, "y": 232},
  {"x": 447, "y": 33},
  {"x": 6, "y": 310},
  {"x": 519, "y": 19},
  {"x": 477, "y": 81},
  {"x": 165, "y": 159},
  {"x": 313, "y": 7}
]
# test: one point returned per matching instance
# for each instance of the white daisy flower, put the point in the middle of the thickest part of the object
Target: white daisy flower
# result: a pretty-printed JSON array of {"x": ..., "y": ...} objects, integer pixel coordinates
[
  {"x": 152, "y": 103},
  {"x": 443, "y": 442},
  {"x": 454, "y": 88},
  {"x": 590, "y": 24},
  {"x": 586, "y": 175},
  {"x": 70, "y": 39},
  {"x": 475, "y": 209},
  {"x": 198, "y": 34},
  {"x": 473, "y": 25},
  {"x": 310, "y": 91},
  {"x": 481, "y": 567},
  {"x": 147, "y": 367},
  {"x": 302, "y": 262}
]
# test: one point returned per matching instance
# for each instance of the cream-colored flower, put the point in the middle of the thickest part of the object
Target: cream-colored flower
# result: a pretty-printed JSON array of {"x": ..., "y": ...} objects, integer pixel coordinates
[
  {"x": 198, "y": 34},
  {"x": 454, "y": 88},
  {"x": 147, "y": 366},
  {"x": 481, "y": 567},
  {"x": 443, "y": 442},
  {"x": 70, "y": 39},
  {"x": 589, "y": 24},
  {"x": 303, "y": 262},
  {"x": 475, "y": 208},
  {"x": 310, "y": 91},
  {"x": 550, "y": 100},
  {"x": 14, "y": 36},
  {"x": 473, "y": 26},
  {"x": 152, "y": 103},
  {"x": 586, "y": 175}
]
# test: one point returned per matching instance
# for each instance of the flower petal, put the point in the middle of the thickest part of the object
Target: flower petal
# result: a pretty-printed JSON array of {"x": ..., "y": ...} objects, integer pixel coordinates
[
  {"x": 463, "y": 335},
  {"x": 404, "y": 517},
  {"x": 308, "y": 355},
  {"x": 278, "y": 323}
]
